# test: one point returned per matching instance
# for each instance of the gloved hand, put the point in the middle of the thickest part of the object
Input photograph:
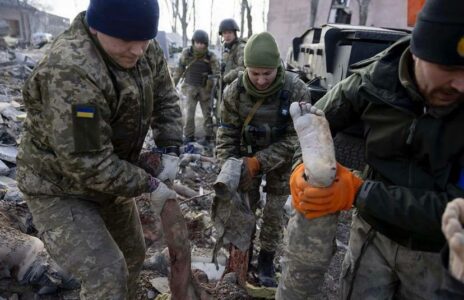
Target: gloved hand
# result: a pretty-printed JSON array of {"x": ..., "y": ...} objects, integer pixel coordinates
[
  {"x": 169, "y": 165},
  {"x": 250, "y": 168},
  {"x": 159, "y": 194},
  {"x": 453, "y": 228},
  {"x": 161, "y": 166},
  {"x": 317, "y": 202},
  {"x": 150, "y": 162}
]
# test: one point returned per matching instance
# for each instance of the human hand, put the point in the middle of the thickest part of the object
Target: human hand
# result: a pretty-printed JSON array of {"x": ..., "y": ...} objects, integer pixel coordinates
[
  {"x": 250, "y": 169},
  {"x": 317, "y": 202}
]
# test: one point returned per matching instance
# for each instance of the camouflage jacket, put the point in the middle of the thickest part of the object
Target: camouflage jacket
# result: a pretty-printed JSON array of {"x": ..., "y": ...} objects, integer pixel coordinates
[
  {"x": 87, "y": 119},
  {"x": 414, "y": 152},
  {"x": 232, "y": 60},
  {"x": 187, "y": 60},
  {"x": 232, "y": 137}
]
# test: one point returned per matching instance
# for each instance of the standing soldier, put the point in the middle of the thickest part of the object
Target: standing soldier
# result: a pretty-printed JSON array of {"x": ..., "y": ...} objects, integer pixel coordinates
[
  {"x": 232, "y": 52},
  {"x": 410, "y": 99},
  {"x": 90, "y": 103},
  {"x": 196, "y": 63},
  {"x": 256, "y": 126}
]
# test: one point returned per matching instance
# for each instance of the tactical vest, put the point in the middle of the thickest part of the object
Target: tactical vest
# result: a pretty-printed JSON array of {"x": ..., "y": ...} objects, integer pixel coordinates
[
  {"x": 269, "y": 123},
  {"x": 198, "y": 70},
  {"x": 229, "y": 56}
]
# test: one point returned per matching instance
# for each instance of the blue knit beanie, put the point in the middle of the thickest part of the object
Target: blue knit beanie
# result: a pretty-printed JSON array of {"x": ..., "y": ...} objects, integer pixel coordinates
[{"x": 132, "y": 20}]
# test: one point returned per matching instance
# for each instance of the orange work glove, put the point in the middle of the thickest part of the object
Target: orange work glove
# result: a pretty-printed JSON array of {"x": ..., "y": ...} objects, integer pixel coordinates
[
  {"x": 317, "y": 202},
  {"x": 250, "y": 169}
]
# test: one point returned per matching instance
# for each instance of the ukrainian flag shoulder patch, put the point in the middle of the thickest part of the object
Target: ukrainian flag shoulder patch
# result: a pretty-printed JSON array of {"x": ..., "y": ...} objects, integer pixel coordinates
[{"x": 85, "y": 111}]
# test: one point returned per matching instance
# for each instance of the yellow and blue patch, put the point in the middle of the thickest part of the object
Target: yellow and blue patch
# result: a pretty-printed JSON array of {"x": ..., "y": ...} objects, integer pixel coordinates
[{"x": 85, "y": 112}]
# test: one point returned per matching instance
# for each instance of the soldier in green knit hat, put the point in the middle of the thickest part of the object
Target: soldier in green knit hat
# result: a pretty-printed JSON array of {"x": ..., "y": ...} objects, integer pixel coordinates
[{"x": 256, "y": 127}]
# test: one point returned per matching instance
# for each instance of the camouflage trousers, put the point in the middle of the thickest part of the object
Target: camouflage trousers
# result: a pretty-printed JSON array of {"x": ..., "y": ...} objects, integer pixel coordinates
[
  {"x": 197, "y": 95},
  {"x": 375, "y": 267},
  {"x": 276, "y": 195},
  {"x": 309, "y": 247},
  {"x": 101, "y": 243}
]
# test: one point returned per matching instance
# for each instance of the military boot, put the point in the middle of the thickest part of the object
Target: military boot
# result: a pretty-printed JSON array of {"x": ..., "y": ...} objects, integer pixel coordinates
[{"x": 266, "y": 271}]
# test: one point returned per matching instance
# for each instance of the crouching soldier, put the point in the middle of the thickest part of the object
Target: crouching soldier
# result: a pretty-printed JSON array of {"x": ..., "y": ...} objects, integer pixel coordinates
[{"x": 90, "y": 103}]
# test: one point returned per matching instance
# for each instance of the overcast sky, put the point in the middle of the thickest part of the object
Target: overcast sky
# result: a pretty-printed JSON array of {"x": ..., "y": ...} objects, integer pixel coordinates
[{"x": 222, "y": 9}]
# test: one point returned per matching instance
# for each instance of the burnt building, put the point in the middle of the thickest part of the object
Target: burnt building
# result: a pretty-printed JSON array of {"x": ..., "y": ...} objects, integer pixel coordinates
[{"x": 24, "y": 20}]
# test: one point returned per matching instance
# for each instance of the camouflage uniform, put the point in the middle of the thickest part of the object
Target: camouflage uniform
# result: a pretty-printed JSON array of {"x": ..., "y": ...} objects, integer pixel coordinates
[
  {"x": 86, "y": 124},
  {"x": 274, "y": 152},
  {"x": 414, "y": 157},
  {"x": 197, "y": 89},
  {"x": 232, "y": 60}
]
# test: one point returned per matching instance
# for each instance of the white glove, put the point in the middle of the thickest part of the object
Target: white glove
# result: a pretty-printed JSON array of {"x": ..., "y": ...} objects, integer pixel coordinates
[{"x": 169, "y": 167}]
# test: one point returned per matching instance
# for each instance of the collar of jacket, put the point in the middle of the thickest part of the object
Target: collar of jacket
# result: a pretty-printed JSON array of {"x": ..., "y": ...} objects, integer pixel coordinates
[
  {"x": 108, "y": 59},
  {"x": 231, "y": 44},
  {"x": 405, "y": 75}
]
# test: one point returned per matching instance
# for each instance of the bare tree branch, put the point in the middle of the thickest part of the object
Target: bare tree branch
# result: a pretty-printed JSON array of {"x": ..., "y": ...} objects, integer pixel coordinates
[
  {"x": 211, "y": 21},
  {"x": 313, "y": 14},
  {"x": 184, "y": 22},
  {"x": 194, "y": 11},
  {"x": 242, "y": 18},
  {"x": 363, "y": 11},
  {"x": 246, "y": 7}
]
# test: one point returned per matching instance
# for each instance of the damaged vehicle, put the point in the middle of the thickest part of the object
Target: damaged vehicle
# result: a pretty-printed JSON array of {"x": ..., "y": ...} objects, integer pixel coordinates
[{"x": 39, "y": 39}]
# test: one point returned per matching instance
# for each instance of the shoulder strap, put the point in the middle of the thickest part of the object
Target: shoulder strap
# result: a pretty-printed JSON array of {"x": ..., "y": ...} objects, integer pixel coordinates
[
  {"x": 188, "y": 67},
  {"x": 252, "y": 112},
  {"x": 255, "y": 107},
  {"x": 241, "y": 88},
  {"x": 284, "y": 94}
]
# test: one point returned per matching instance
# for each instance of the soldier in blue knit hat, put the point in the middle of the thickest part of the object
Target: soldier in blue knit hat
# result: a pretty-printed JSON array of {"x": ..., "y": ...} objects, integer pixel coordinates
[{"x": 90, "y": 103}]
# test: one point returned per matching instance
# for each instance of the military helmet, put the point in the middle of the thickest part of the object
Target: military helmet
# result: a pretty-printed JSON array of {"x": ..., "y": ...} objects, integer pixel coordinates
[
  {"x": 200, "y": 36},
  {"x": 228, "y": 25}
]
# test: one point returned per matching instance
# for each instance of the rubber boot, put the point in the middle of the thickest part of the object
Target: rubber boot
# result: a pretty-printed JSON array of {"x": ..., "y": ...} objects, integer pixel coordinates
[{"x": 266, "y": 271}]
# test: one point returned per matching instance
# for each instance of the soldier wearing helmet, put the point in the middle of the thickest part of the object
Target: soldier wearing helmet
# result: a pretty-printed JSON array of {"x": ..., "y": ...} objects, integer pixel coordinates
[
  {"x": 232, "y": 55},
  {"x": 195, "y": 64}
]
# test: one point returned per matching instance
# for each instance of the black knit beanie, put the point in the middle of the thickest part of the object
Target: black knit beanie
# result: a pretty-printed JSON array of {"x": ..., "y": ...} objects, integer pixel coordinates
[
  {"x": 439, "y": 33},
  {"x": 132, "y": 20}
]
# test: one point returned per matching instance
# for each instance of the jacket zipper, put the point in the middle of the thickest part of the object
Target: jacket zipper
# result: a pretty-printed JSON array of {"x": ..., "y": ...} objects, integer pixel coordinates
[{"x": 412, "y": 131}]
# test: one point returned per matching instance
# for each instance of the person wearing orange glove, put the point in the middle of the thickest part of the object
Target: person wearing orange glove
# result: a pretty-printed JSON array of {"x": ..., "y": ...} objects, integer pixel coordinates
[
  {"x": 256, "y": 127},
  {"x": 317, "y": 202},
  {"x": 410, "y": 101}
]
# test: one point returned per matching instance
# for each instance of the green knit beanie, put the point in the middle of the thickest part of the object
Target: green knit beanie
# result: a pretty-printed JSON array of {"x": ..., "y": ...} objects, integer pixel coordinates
[{"x": 261, "y": 51}]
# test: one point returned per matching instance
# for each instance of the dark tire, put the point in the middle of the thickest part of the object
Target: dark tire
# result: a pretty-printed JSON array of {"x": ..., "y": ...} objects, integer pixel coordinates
[{"x": 349, "y": 151}]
